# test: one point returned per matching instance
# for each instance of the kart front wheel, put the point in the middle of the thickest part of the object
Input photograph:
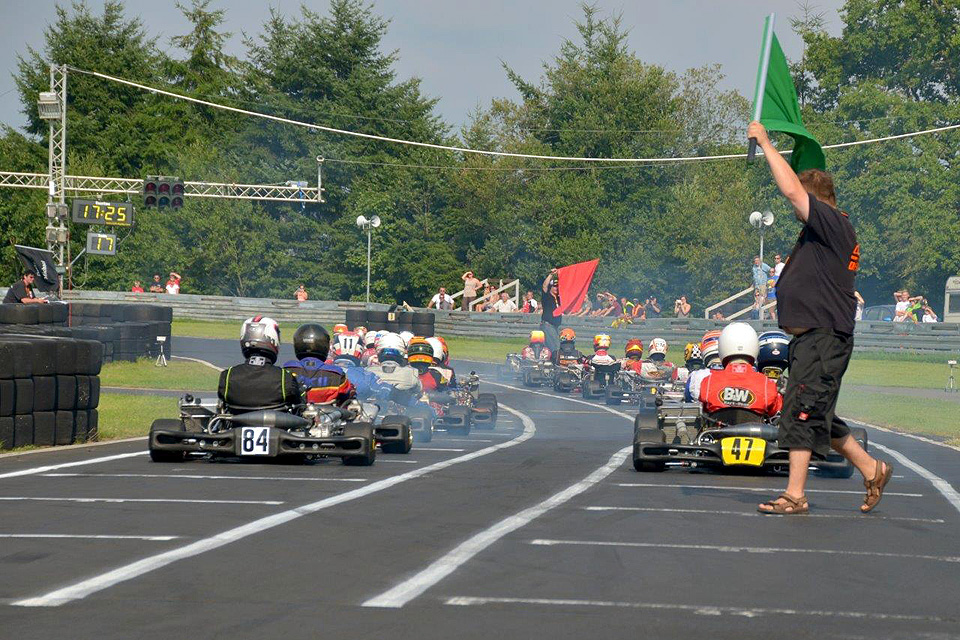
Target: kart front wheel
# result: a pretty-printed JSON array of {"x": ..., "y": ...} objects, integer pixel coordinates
[{"x": 647, "y": 435}]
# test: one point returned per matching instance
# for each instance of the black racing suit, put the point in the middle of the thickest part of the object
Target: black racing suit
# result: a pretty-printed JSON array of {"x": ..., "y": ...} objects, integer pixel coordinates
[{"x": 252, "y": 385}]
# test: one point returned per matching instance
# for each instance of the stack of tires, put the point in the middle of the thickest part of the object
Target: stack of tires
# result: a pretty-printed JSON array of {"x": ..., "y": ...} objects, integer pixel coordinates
[
  {"x": 416, "y": 322},
  {"x": 49, "y": 390},
  {"x": 34, "y": 314}
]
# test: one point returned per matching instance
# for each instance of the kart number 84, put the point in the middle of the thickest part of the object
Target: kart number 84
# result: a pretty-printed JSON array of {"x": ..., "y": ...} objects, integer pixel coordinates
[
  {"x": 743, "y": 451},
  {"x": 254, "y": 441}
]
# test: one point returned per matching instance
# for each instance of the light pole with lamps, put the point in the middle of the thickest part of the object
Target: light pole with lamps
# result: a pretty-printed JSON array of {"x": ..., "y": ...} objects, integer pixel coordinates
[
  {"x": 368, "y": 225},
  {"x": 762, "y": 222}
]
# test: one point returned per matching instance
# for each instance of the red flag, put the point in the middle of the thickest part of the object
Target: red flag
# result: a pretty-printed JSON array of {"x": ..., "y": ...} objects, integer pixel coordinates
[{"x": 573, "y": 283}]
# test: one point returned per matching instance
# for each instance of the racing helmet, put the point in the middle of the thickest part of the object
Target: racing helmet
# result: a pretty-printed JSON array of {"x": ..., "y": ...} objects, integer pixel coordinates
[
  {"x": 339, "y": 328},
  {"x": 420, "y": 354},
  {"x": 311, "y": 341},
  {"x": 347, "y": 350},
  {"x": 260, "y": 336},
  {"x": 601, "y": 341},
  {"x": 437, "y": 349},
  {"x": 361, "y": 331},
  {"x": 568, "y": 335},
  {"x": 657, "y": 349},
  {"x": 537, "y": 337},
  {"x": 772, "y": 359},
  {"x": 711, "y": 355},
  {"x": 370, "y": 339},
  {"x": 406, "y": 336},
  {"x": 738, "y": 339},
  {"x": 446, "y": 350},
  {"x": 390, "y": 347},
  {"x": 634, "y": 349},
  {"x": 708, "y": 338},
  {"x": 693, "y": 357}
]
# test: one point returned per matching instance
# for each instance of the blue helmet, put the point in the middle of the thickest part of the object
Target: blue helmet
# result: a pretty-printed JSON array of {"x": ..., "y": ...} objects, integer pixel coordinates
[{"x": 772, "y": 358}]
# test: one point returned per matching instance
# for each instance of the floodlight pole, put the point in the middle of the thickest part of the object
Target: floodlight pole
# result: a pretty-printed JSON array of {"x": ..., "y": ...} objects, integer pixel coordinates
[
  {"x": 56, "y": 232},
  {"x": 369, "y": 231}
]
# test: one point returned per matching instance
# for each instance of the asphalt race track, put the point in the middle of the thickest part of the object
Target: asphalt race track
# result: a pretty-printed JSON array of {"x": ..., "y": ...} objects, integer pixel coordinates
[{"x": 539, "y": 528}]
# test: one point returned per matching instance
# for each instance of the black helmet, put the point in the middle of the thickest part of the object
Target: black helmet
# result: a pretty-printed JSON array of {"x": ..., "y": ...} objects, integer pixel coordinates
[
  {"x": 311, "y": 341},
  {"x": 772, "y": 359}
]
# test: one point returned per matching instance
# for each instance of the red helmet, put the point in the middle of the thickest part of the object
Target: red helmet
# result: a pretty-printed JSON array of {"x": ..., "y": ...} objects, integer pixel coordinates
[{"x": 634, "y": 348}]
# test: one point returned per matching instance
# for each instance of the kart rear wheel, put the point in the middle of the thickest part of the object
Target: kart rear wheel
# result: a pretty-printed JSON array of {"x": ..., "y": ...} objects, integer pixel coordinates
[
  {"x": 402, "y": 424},
  {"x": 464, "y": 414},
  {"x": 364, "y": 430},
  {"x": 165, "y": 424},
  {"x": 646, "y": 435},
  {"x": 488, "y": 401},
  {"x": 612, "y": 398}
]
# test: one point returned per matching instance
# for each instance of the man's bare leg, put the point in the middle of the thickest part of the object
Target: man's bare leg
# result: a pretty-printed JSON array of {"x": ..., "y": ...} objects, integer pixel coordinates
[
  {"x": 799, "y": 465},
  {"x": 850, "y": 449}
]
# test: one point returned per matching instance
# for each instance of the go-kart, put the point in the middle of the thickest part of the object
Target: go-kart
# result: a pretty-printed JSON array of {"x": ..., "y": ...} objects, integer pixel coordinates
[
  {"x": 537, "y": 373},
  {"x": 309, "y": 432},
  {"x": 568, "y": 378},
  {"x": 710, "y": 442},
  {"x": 462, "y": 407},
  {"x": 510, "y": 370}
]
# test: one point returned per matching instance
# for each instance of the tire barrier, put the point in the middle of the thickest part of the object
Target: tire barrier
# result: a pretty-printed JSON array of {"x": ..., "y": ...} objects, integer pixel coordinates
[
  {"x": 417, "y": 322},
  {"x": 127, "y": 331},
  {"x": 49, "y": 389}
]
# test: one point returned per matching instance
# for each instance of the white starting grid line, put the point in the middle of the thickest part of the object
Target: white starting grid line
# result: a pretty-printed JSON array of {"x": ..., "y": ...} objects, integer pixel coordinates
[
  {"x": 719, "y": 548},
  {"x": 751, "y": 514},
  {"x": 71, "y": 536},
  {"x": 184, "y": 476},
  {"x": 148, "y": 500},
  {"x": 652, "y": 485},
  {"x": 106, "y": 580}
]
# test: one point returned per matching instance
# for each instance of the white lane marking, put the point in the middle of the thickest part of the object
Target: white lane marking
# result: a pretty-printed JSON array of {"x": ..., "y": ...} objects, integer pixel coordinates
[
  {"x": 127, "y": 572},
  {"x": 438, "y": 449},
  {"x": 68, "y": 447},
  {"x": 65, "y": 465},
  {"x": 912, "y": 436},
  {"x": 592, "y": 405},
  {"x": 561, "y": 411},
  {"x": 121, "y": 500},
  {"x": 740, "y": 549},
  {"x": 409, "y": 589},
  {"x": 379, "y": 460},
  {"x": 68, "y": 536},
  {"x": 203, "y": 362},
  {"x": 757, "y": 489},
  {"x": 465, "y": 440},
  {"x": 707, "y": 610},
  {"x": 938, "y": 483},
  {"x": 751, "y": 514},
  {"x": 184, "y": 476}
]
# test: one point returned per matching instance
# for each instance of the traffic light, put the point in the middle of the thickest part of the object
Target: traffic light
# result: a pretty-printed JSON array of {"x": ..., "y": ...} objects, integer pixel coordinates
[{"x": 163, "y": 192}]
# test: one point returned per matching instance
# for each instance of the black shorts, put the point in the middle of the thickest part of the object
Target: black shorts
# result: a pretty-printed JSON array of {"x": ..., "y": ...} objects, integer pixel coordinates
[{"x": 818, "y": 360}]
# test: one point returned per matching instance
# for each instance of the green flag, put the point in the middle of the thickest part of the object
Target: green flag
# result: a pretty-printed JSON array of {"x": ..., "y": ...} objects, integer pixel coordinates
[{"x": 778, "y": 108}]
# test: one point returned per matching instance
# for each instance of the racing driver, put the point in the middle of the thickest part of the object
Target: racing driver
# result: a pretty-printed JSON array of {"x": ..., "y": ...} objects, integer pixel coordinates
[
  {"x": 323, "y": 383},
  {"x": 258, "y": 383}
]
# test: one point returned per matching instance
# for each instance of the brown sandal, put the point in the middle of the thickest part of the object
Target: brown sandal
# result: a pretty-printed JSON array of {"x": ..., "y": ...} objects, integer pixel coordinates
[
  {"x": 790, "y": 506},
  {"x": 875, "y": 487}
]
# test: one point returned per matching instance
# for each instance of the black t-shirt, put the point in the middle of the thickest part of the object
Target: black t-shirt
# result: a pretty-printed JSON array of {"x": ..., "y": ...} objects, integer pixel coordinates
[
  {"x": 250, "y": 387},
  {"x": 549, "y": 304},
  {"x": 18, "y": 292},
  {"x": 815, "y": 289}
]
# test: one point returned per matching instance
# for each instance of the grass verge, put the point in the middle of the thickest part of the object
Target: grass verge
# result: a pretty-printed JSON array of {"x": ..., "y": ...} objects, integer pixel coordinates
[
  {"x": 190, "y": 328},
  {"x": 180, "y": 375},
  {"x": 127, "y": 416},
  {"x": 926, "y": 416}
]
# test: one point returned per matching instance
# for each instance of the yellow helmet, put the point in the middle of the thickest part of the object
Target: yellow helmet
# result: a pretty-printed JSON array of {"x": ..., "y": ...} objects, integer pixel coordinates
[
  {"x": 537, "y": 336},
  {"x": 601, "y": 341}
]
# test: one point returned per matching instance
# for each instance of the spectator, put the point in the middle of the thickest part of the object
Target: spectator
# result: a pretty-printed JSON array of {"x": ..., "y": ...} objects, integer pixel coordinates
[
  {"x": 652, "y": 307},
  {"x": 156, "y": 286},
  {"x": 470, "y": 286},
  {"x": 22, "y": 291},
  {"x": 756, "y": 311},
  {"x": 137, "y": 287},
  {"x": 530, "y": 304},
  {"x": 915, "y": 310},
  {"x": 173, "y": 284},
  {"x": 585, "y": 308},
  {"x": 778, "y": 264},
  {"x": 639, "y": 311},
  {"x": 929, "y": 315},
  {"x": 550, "y": 323},
  {"x": 760, "y": 272},
  {"x": 301, "y": 294},
  {"x": 860, "y": 305},
  {"x": 441, "y": 300},
  {"x": 505, "y": 304},
  {"x": 718, "y": 315},
  {"x": 681, "y": 308}
]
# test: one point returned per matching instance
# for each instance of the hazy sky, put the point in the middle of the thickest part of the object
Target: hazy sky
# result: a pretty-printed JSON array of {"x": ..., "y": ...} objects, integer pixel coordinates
[{"x": 456, "y": 46}]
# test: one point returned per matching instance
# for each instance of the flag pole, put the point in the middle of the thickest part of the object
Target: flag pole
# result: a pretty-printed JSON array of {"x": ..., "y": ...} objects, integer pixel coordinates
[{"x": 761, "y": 85}]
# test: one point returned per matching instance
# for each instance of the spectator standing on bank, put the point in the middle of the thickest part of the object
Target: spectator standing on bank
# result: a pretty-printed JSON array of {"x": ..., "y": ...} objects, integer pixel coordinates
[
  {"x": 504, "y": 305},
  {"x": 301, "y": 294},
  {"x": 549, "y": 323},
  {"x": 760, "y": 271},
  {"x": 815, "y": 304},
  {"x": 22, "y": 291},
  {"x": 173, "y": 284},
  {"x": 137, "y": 287},
  {"x": 441, "y": 300},
  {"x": 778, "y": 264},
  {"x": 156, "y": 286},
  {"x": 681, "y": 308},
  {"x": 470, "y": 285},
  {"x": 530, "y": 304},
  {"x": 651, "y": 307},
  {"x": 929, "y": 315},
  {"x": 585, "y": 308}
]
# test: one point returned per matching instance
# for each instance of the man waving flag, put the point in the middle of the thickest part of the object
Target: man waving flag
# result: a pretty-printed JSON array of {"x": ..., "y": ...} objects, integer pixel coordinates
[{"x": 775, "y": 104}]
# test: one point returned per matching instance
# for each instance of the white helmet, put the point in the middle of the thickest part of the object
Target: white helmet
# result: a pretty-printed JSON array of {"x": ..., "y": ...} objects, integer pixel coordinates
[
  {"x": 260, "y": 336},
  {"x": 390, "y": 347},
  {"x": 657, "y": 345},
  {"x": 406, "y": 337},
  {"x": 738, "y": 339},
  {"x": 370, "y": 339},
  {"x": 711, "y": 354},
  {"x": 437, "y": 349}
]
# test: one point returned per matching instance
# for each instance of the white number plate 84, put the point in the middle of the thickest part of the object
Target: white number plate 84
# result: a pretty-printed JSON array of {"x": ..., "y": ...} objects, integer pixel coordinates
[{"x": 255, "y": 441}]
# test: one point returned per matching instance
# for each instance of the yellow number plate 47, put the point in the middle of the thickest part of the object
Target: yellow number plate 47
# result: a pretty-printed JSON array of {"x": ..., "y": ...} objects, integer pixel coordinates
[{"x": 745, "y": 451}]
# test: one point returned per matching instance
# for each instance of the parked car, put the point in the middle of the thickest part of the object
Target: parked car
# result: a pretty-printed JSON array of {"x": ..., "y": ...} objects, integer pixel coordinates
[{"x": 881, "y": 312}]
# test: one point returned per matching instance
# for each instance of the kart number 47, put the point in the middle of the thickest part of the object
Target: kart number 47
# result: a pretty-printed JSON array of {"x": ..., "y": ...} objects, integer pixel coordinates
[
  {"x": 254, "y": 441},
  {"x": 743, "y": 451}
]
